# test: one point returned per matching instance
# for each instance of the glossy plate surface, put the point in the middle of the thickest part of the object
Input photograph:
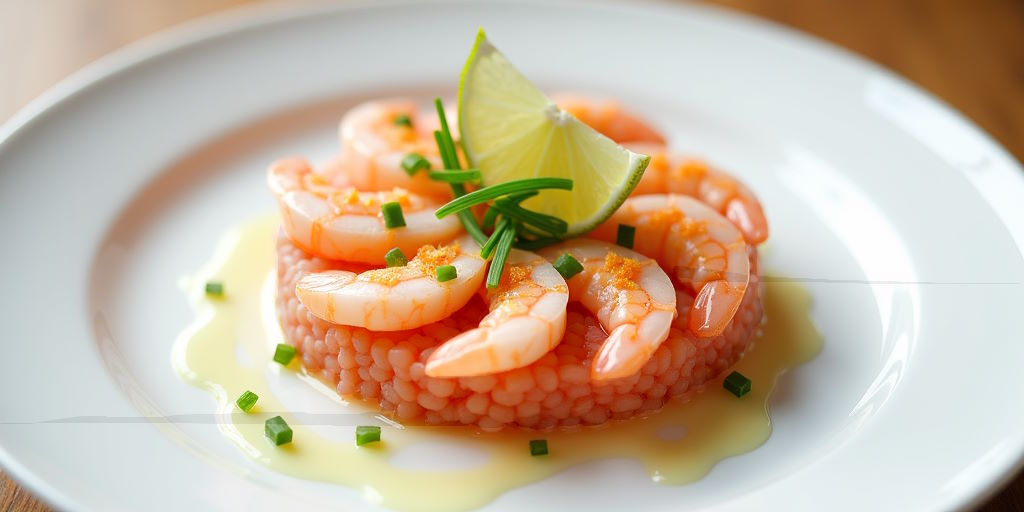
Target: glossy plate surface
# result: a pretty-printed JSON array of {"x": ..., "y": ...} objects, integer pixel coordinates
[{"x": 902, "y": 218}]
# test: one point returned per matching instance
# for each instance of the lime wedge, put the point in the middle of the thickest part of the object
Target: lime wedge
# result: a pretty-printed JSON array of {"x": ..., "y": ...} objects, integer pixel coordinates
[{"x": 510, "y": 130}]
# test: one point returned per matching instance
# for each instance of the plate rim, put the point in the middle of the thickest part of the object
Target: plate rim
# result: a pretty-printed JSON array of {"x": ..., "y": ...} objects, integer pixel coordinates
[{"x": 255, "y": 16}]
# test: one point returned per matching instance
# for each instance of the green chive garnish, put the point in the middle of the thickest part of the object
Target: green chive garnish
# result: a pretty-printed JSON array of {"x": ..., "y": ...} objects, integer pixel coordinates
[
  {"x": 214, "y": 288},
  {"x": 500, "y": 255},
  {"x": 538, "y": 447},
  {"x": 403, "y": 120},
  {"x": 488, "y": 247},
  {"x": 520, "y": 197},
  {"x": 625, "y": 236},
  {"x": 485, "y": 194},
  {"x": 547, "y": 223},
  {"x": 453, "y": 176},
  {"x": 446, "y": 147},
  {"x": 277, "y": 431},
  {"x": 393, "y": 217},
  {"x": 284, "y": 353},
  {"x": 490, "y": 216},
  {"x": 737, "y": 384},
  {"x": 445, "y": 273},
  {"x": 395, "y": 258},
  {"x": 414, "y": 162},
  {"x": 567, "y": 266},
  {"x": 447, "y": 135},
  {"x": 366, "y": 434},
  {"x": 247, "y": 400}
]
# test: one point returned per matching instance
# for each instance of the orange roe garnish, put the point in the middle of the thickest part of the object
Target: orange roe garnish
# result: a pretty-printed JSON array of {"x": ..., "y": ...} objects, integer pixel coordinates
[
  {"x": 384, "y": 276},
  {"x": 624, "y": 271},
  {"x": 428, "y": 257},
  {"x": 514, "y": 276}
]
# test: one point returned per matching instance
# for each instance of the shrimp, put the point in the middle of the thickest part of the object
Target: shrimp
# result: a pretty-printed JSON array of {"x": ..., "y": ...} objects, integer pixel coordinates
[
  {"x": 608, "y": 117},
  {"x": 326, "y": 218},
  {"x": 632, "y": 297},
  {"x": 373, "y": 146},
  {"x": 397, "y": 298},
  {"x": 670, "y": 173},
  {"x": 526, "y": 320},
  {"x": 705, "y": 251}
]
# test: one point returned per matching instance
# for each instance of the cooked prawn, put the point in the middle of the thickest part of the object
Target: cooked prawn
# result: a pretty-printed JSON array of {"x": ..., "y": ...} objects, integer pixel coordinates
[
  {"x": 671, "y": 173},
  {"x": 526, "y": 320},
  {"x": 608, "y": 117},
  {"x": 373, "y": 146},
  {"x": 328, "y": 219},
  {"x": 632, "y": 297},
  {"x": 397, "y": 298},
  {"x": 704, "y": 250}
]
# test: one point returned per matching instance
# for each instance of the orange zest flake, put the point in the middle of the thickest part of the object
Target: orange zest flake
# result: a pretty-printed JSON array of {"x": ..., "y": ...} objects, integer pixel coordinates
[{"x": 625, "y": 271}]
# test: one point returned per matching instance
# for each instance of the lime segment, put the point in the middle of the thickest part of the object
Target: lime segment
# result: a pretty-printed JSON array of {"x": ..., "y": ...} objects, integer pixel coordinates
[{"x": 510, "y": 130}]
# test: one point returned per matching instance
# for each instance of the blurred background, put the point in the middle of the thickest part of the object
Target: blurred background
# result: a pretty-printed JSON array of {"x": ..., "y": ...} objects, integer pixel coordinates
[{"x": 968, "y": 53}]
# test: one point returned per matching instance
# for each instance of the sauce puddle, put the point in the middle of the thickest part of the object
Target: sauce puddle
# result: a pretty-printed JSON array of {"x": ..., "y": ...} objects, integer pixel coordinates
[{"x": 228, "y": 350}]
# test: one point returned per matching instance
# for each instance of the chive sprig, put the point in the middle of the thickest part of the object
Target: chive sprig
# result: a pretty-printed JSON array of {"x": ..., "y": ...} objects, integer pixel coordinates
[{"x": 510, "y": 224}]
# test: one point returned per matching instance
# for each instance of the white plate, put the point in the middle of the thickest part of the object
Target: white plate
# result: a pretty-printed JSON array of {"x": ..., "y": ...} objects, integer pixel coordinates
[{"x": 903, "y": 218}]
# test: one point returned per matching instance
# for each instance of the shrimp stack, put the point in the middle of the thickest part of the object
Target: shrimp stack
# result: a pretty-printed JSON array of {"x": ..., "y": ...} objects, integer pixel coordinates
[{"x": 630, "y": 330}]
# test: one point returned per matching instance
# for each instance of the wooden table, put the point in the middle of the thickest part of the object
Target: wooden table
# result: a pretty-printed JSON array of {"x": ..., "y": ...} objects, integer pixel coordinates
[{"x": 970, "y": 54}]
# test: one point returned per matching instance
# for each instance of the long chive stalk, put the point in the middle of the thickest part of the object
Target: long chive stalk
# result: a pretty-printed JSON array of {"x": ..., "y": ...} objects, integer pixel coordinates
[
  {"x": 488, "y": 247},
  {"x": 500, "y": 255},
  {"x": 485, "y": 194},
  {"x": 547, "y": 223}
]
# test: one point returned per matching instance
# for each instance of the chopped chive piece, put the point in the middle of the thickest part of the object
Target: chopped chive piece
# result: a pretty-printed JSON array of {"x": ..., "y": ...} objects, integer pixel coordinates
[
  {"x": 403, "y": 120},
  {"x": 395, "y": 258},
  {"x": 414, "y": 162},
  {"x": 277, "y": 431},
  {"x": 737, "y": 384},
  {"x": 247, "y": 400},
  {"x": 214, "y": 288},
  {"x": 625, "y": 236},
  {"x": 488, "y": 247},
  {"x": 538, "y": 447},
  {"x": 485, "y": 194},
  {"x": 393, "y": 217},
  {"x": 568, "y": 266},
  {"x": 453, "y": 176},
  {"x": 366, "y": 434},
  {"x": 500, "y": 255},
  {"x": 446, "y": 273},
  {"x": 284, "y": 353}
]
